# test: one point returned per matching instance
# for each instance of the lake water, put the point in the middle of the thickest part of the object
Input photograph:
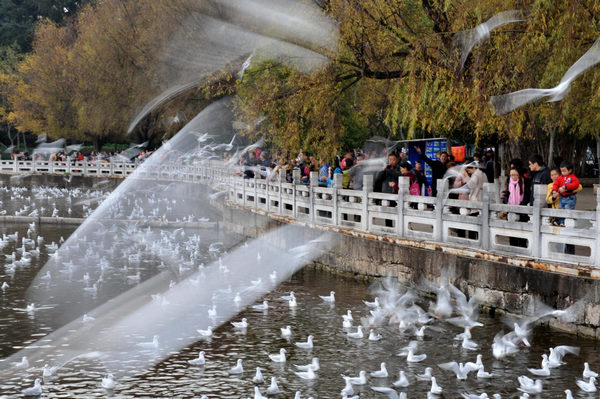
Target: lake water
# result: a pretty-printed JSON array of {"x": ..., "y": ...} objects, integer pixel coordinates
[{"x": 338, "y": 354}]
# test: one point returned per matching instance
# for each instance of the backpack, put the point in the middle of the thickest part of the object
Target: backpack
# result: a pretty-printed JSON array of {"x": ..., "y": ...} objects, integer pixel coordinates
[{"x": 414, "y": 189}]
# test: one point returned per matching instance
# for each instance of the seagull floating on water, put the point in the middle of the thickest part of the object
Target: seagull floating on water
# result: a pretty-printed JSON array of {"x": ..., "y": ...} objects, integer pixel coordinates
[
  {"x": 391, "y": 393},
  {"x": 108, "y": 382},
  {"x": 374, "y": 304},
  {"x": 35, "y": 390},
  {"x": 199, "y": 361},
  {"x": 206, "y": 333},
  {"x": 426, "y": 376},
  {"x": 314, "y": 365},
  {"x": 240, "y": 324},
  {"x": 273, "y": 389},
  {"x": 305, "y": 345},
  {"x": 278, "y": 358},
  {"x": 529, "y": 386},
  {"x": 23, "y": 364},
  {"x": 381, "y": 373},
  {"x": 258, "y": 377},
  {"x": 306, "y": 375},
  {"x": 286, "y": 331},
  {"x": 149, "y": 345},
  {"x": 544, "y": 371},
  {"x": 237, "y": 369},
  {"x": 587, "y": 386},
  {"x": 263, "y": 306},
  {"x": 587, "y": 373},
  {"x": 330, "y": 298},
  {"x": 373, "y": 336},
  {"x": 402, "y": 381},
  {"x": 49, "y": 371},
  {"x": 356, "y": 335},
  {"x": 360, "y": 380},
  {"x": 435, "y": 388}
]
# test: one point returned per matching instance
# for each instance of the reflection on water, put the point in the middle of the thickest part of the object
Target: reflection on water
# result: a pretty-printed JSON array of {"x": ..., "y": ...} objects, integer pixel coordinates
[{"x": 338, "y": 354}]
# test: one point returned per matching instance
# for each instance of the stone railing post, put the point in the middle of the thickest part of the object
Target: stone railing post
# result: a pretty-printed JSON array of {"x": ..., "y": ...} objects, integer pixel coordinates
[
  {"x": 255, "y": 179},
  {"x": 597, "y": 254},
  {"x": 489, "y": 196},
  {"x": 296, "y": 181},
  {"x": 243, "y": 189},
  {"x": 280, "y": 182},
  {"x": 439, "y": 209},
  {"x": 539, "y": 196},
  {"x": 314, "y": 182},
  {"x": 337, "y": 185},
  {"x": 403, "y": 191},
  {"x": 367, "y": 188}
]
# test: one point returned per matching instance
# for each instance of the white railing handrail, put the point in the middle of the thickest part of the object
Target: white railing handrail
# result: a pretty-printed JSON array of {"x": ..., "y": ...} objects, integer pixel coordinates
[{"x": 487, "y": 225}]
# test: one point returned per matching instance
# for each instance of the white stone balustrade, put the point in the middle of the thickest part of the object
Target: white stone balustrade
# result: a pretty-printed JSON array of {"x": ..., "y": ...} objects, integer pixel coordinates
[{"x": 487, "y": 225}]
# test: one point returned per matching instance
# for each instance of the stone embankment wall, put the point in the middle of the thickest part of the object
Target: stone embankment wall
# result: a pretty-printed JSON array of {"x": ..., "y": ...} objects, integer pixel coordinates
[{"x": 504, "y": 284}]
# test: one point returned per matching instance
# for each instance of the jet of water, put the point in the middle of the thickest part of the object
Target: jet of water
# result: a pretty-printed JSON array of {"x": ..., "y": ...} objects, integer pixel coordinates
[
  {"x": 212, "y": 40},
  {"x": 134, "y": 316}
]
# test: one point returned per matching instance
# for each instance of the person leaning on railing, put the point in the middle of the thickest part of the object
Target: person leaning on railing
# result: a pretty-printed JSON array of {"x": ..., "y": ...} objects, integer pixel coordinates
[{"x": 565, "y": 187}]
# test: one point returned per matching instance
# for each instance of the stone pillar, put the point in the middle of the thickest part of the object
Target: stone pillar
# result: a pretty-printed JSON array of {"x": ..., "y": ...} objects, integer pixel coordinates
[
  {"x": 539, "y": 201},
  {"x": 281, "y": 180},
  {"x": 337, "y": 185},
  {"x": 296, "y": 175},
  {"x": 597, "y": 254},
  {"x": 314, "y": 182},
  {"x": 256, "y": 181},
  {"x": 439, "y": 209},
  {"x": 243, "y": 190},
  {"x": 367, "y": 188},
  {"x": 403, "y": 191},
  {"x": 338, "y": 181},
  {"x": 489, "y": 196}
]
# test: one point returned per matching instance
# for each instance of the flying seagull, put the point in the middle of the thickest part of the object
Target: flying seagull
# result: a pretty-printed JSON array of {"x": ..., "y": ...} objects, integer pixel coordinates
[
  {"x": 469, "y": 38},
  {"x": 509, "y": 102}
]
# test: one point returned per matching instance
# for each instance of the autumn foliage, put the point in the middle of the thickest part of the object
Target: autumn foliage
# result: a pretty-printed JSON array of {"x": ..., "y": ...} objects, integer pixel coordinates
[{"x": 396, "y": 74}]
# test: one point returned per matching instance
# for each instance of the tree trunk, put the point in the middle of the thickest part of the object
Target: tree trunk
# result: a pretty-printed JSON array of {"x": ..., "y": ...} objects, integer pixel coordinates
[
  {"x": 551, "y": 147},
  {"x": 598, "y": 153}
]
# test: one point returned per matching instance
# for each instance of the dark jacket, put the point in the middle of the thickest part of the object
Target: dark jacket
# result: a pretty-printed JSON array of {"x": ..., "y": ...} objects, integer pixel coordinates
[
  {"x": 438, "y": 170},
  {"x": 542, "y": 176},
  {"x": 386, "y": 176}
]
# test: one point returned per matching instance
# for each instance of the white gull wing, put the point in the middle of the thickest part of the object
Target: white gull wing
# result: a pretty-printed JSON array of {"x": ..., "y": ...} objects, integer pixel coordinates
[
  {"x": 506, "y": 103},
  {"x": 469, "y": 38}
]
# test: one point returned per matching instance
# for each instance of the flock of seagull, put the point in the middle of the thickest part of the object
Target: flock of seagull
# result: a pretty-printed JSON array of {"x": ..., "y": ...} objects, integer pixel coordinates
[
  {"x": 393, "y": 306},
  {"x": 398, "y": 306}
]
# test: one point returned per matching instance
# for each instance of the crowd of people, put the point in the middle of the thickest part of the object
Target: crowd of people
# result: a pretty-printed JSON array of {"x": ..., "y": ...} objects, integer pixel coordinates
[
  {"x": 466, "y": 178},
  {"x": 62, "y": 155}
]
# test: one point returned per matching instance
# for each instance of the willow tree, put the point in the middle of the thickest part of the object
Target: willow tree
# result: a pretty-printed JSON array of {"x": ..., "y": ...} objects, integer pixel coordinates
[
  {"x": 398, "y": 67},
  {"x": 83, "y": 81}
]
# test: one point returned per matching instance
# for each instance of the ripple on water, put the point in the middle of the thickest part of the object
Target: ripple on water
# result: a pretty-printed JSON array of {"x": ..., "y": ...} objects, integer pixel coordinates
[{"x": 338, "y": 354}]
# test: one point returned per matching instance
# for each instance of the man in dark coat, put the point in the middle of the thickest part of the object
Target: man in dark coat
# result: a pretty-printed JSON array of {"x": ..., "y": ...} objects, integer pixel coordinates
[
  {"x": 540, "y": 174},
  {"x": 438, "y": 168},
  {"x": 388, "y": 177}
]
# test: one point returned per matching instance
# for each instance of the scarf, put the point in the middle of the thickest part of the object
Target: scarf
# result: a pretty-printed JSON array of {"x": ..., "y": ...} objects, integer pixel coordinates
[{"x": 516, "y": 194}]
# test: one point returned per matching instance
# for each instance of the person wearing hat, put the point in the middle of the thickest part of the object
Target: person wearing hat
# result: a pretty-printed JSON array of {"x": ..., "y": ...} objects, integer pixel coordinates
[{"x": 476, "y": 180}]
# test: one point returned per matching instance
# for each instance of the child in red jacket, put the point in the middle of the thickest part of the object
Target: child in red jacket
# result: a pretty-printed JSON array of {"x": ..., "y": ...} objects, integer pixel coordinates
[{"x": 564, "y": 187}]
